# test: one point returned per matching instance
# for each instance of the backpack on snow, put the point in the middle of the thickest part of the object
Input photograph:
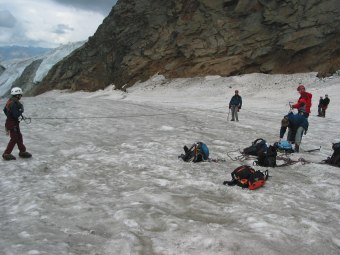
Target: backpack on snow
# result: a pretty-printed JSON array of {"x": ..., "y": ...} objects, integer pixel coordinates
[
  {"x": 247, "y": 177},
  {"x": 284, "y": 146},
  {"x": 257, "y": 146},
  {"x": 196, "y": 153},
  {"x": 267, "y": 158},
  {"x": 334, "y": 160}
]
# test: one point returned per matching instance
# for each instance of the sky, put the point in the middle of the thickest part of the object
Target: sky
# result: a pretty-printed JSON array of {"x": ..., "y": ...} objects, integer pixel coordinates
[
  {"x": 105, "y": 177},
  {"x": 50, "y": 23}
]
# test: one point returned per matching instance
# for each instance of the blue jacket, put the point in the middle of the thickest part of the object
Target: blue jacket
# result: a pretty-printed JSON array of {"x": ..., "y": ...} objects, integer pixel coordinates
[
  {"x": 236, "y": 100},
  {"x": 13, "y": 109},
  {"x": 295, "y": 121}
]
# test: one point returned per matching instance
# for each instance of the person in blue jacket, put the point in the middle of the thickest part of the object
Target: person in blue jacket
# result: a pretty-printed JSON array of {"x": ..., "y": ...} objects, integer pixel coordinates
[
  {"x": 235, "y": 105},
  {"x": 298, "y": 125}
]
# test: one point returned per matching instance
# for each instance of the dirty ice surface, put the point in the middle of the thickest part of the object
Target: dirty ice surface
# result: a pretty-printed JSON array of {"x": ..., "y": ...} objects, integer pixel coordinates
[{"x": 105, "y": 178}]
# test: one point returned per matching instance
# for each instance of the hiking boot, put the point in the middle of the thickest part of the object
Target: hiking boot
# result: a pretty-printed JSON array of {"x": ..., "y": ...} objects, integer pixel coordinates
[
  {"x": 297, "y": 148},
  {"x": 232, "y": 120},
  {"x": 8, "y": 157},
  {"x": 25, "y": 154}
]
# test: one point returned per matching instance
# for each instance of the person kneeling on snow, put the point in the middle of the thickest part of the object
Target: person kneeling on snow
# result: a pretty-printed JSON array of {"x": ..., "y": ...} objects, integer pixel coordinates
[{"x": 298, "y": 125}]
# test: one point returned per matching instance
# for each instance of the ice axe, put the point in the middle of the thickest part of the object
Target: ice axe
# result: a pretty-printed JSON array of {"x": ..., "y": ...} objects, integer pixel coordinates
[{"x": 312, "y": 150}]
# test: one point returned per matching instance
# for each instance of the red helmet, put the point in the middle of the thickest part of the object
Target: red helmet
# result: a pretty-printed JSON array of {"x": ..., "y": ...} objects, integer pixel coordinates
[{"x": 301, "y": 87}]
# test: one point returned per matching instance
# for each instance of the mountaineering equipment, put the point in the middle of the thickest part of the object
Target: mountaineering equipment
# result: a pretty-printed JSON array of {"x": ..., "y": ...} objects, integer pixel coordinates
[
  {"x": 267, "y": 158},
  {"x": 312, "y": 150},
  {"x": 247, "y": 177},
  {"x": 284, "y": 146},
  {"x": 257, "y": 146},
  {"x": 27, "y": 120},
  {"x": 334, "y": 160},
  {"x": 198, "y": 152},
  {"x": 25, "y": 154},
  {"x": 8, "y": 157},
  {"x": 16, "y": 91}
]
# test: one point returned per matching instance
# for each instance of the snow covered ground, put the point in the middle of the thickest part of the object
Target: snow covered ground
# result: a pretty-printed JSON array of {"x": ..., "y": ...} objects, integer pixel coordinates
[{"x": 105, "y": 177}]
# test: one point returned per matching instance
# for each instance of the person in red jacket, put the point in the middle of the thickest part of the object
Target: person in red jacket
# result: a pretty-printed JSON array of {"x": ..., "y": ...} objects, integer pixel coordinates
[{"x": 305, "y": 101}]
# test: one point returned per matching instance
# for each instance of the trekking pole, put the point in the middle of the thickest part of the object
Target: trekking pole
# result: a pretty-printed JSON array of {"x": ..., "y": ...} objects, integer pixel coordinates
[
  {"x": 290, "y": 106},
  {"x": 312, "y": 150}
]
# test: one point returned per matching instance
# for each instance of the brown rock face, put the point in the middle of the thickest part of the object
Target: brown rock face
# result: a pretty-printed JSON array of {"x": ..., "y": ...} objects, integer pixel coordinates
[{"x": 186, "y": 38}]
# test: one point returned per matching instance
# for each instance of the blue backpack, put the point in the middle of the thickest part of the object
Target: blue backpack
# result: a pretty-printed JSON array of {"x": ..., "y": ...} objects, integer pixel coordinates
[
  {"x": 284, "y": 146},
  {"x": 196, "y": 153}
]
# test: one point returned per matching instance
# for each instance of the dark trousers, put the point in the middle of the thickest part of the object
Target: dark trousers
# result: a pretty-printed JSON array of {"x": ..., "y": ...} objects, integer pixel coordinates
[{"x": 16, "y": 138}]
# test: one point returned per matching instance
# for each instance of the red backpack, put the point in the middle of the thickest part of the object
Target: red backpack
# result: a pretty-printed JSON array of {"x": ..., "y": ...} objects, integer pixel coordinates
[{"x": 247, "y": 177}]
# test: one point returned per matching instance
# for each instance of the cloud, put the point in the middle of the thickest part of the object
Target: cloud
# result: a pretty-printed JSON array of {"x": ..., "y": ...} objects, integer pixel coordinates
[
  {"x": 62, "y": 29},
  {"x": 47, "y": 23},
  {"x": 7, "y": 19},
  {"x": 102, "y": 6}
]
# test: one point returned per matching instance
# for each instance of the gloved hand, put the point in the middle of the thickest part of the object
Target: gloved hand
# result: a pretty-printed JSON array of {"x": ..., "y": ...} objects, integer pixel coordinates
[{"x": 305, "y": 132}]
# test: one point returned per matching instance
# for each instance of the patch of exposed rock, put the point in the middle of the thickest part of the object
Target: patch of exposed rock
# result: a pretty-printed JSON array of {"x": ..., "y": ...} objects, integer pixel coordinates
[{"x": 187, "y": 38}]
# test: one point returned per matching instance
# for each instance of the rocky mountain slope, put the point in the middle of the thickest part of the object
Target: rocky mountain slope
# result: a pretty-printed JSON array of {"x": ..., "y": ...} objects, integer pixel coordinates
[{"x": 186, "y": 38}]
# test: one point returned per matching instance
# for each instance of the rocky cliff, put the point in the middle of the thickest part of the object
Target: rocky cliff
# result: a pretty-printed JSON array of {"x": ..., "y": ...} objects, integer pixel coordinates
[{"x": 185, "y": 38}]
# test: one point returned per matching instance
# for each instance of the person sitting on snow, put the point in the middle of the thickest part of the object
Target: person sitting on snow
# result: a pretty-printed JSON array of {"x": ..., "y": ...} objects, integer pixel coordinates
[
  {"x": 298, "y": 125},
  {"x": 305, "y": 101}
]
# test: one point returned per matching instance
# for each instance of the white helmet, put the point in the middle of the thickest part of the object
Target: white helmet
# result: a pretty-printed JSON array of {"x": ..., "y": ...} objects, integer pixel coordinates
[{"x": 16, "y": 91}]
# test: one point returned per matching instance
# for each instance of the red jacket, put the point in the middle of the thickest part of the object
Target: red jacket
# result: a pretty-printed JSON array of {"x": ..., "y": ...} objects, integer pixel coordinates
[{"x": 305, "y": 102}]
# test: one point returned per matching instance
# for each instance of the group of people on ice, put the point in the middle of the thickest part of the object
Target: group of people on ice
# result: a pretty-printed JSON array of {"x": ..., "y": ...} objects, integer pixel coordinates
[{"x": 297, "y": 124}]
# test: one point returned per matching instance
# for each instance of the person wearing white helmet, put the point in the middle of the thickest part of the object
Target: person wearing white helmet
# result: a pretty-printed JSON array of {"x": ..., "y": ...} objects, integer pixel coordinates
[{"x": 14, "y": 110}]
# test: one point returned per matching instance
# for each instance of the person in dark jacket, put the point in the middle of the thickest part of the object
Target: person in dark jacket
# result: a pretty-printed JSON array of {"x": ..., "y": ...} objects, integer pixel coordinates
[
  {"x": 14, "y": 110},
  {"x": 298, "y": 125},
  {"x": 324, "y": 106},
  {"x": 320, "y": 106},
  {"x": 235, "y": 105}
]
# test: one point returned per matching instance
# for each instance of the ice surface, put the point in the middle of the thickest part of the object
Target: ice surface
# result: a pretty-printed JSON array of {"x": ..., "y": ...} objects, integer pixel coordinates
[{"x": 105, "y": 177}]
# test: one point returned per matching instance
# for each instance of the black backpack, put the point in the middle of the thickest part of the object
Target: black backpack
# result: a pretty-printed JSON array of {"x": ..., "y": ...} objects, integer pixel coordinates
[
  {"x": 267, "y": 157},
  {"x": 247, "y": 177},
  {"x": 334, "y": 160},
  {"x": 257, "y": 146}
]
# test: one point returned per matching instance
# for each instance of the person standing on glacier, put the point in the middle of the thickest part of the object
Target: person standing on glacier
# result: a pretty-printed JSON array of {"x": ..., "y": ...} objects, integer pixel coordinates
[
  {"x": 14, "y": 110},
  {"x": 235, "y": 105}
]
